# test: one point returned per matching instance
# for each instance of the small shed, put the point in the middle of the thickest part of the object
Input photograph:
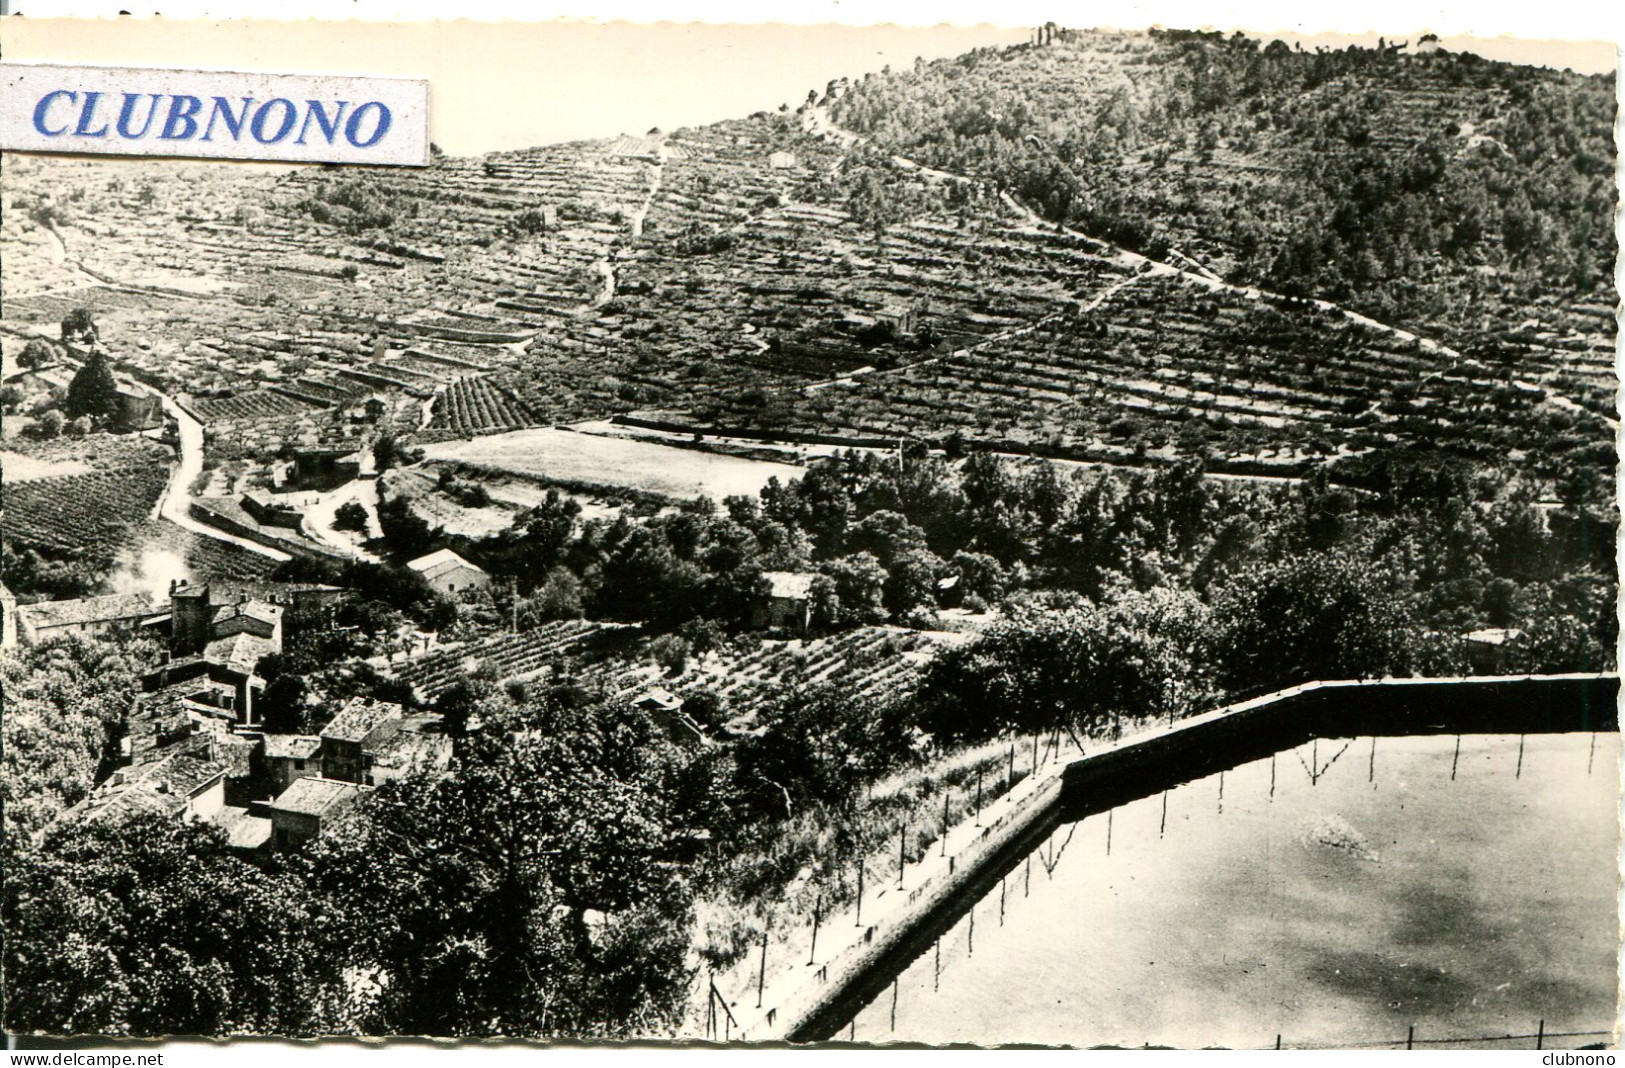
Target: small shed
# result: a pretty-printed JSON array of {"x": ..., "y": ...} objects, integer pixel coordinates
[{"x": 448, "y": 573}]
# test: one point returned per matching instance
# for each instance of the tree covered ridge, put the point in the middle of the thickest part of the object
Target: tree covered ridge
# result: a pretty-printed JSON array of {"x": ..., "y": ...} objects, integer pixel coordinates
[{"x": 1390, "y": 181}]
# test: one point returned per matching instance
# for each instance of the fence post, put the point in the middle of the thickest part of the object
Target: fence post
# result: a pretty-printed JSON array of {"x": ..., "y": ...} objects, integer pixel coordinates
[
  {"x": 978, "y": 797},
  {"x": 761, "y": 976},
  {"x": 818, "y": 915},
  {"x": 858, "y": 922},
  {"x": 945, "y": 823},
  {"x": 1410, "y": 1037},
  {"x": 902, "y": 853},
  {"x": 1540, "y": 1035}
]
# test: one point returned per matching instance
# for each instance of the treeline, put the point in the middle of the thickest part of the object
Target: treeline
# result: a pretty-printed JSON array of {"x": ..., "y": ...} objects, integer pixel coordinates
[{"x": 889, "y": 535}]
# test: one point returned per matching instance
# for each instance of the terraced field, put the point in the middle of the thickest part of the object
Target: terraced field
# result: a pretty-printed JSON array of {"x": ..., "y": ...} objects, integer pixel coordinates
[
  {"x": 866, "y": 663},
  {"x": 474, "y": 405},
  {"x": 1163, "y": 364},
  {"x": 97, "y": 513},
  {"x": 503, "y": 655}
]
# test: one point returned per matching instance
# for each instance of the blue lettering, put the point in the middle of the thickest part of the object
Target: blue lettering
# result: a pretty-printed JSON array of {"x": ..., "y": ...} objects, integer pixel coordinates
[
  {"x": 222, "y": 111},
  {"x": 44, "y": 105},
  {"x": 352, "y": 127},
  {"x": 87, "y": 112},
  {"x": 183, "y": 110},
  {"x": 128, "y": 110},
  {"x": 329, "y": 127},
  {"x": 257, "y": 127}
]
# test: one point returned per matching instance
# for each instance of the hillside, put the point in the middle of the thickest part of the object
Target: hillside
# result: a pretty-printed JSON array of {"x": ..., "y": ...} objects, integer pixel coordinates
[
  {"x": 1117, "y": 247},
  {"x": 1436, "y": 189}
]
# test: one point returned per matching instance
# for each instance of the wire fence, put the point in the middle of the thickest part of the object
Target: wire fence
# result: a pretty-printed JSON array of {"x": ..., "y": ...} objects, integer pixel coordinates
[{"x": 1540, "y": 1038}]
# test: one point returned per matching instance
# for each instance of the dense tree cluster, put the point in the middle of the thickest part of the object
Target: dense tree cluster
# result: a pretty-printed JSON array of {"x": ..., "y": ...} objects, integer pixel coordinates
[
  {"x": 530, "y": 895},
  {"x": 65, "y": 703}
]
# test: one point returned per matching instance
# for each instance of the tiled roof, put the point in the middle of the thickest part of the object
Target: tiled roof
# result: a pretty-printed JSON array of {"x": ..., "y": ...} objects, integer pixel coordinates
[
  {"x": 118, "y": 606},
  {"x": 439, "y": 562},
  {"x": 240, "y": 652},
  {"x": 410, "y": 751},
  {"x": 163, "y": 786},
  {"x": 244, "y": 831},
  {"x": 291, "y": 746},
  {"x": 259, "y": 611},
  {"x": 360, "y": 717},
  {"x": 315, "y": 797}
]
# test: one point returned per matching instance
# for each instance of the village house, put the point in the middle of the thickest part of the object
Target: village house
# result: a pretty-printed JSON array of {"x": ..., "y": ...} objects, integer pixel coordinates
[
  {"x": 37, "y": 623},
  {"x": 287, "y": 757},
  {"x": 449, "y": 574},
  {"x": 784, "y": 600},
  {"x": 219, "y": 642},
  {"x": 300, "y": 813},
  {"x": 352, "y": 736},
  {"x": 372, "y": 742},
  {"x": 171, "y": 715},
  {"x": 187, "y": 784}
]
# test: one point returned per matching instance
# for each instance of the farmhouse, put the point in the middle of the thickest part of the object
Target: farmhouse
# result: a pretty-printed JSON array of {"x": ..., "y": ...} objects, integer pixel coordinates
[
  {"x": 448, "y": 573},
  {"x": 270, "y": 512},
  {"x": 41, "y": 622},
  {"x": 300, "y": 812},
  {"x": 902, "y": 321},
  {"x": 784, "y": 599},
  {"x": 666, "y": 710},
  {"x": 325, "y": 465}
]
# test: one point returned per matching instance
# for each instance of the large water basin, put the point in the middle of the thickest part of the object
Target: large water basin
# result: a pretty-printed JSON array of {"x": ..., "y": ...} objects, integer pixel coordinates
[{"x": 1434, "y": 890}]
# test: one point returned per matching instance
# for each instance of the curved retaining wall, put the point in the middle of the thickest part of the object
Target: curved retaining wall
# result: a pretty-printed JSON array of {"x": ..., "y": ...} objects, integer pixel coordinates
[{"x": 813, "y": 1002}]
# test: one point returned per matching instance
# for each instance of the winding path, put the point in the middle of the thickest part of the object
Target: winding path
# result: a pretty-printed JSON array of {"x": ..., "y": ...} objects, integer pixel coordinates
[{"x": 176, "y": 503}]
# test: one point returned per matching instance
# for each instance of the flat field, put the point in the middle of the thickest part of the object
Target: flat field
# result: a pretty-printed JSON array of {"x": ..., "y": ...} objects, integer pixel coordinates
[{"x": 567, "y": 457}]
